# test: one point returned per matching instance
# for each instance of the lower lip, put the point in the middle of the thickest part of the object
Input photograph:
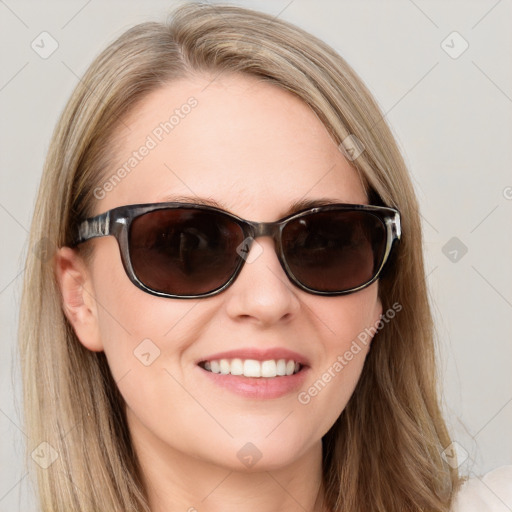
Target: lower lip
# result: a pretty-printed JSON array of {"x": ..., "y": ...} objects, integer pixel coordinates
[{"x": 258, "y": 387}]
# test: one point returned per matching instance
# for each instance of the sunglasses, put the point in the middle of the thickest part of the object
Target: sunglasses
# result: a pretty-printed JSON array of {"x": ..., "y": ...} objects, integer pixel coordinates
[{"x": 184, "y": 250}]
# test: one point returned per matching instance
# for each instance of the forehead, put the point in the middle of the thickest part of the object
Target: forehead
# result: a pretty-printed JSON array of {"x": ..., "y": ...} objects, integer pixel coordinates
[{"x": 249, "y": 145}]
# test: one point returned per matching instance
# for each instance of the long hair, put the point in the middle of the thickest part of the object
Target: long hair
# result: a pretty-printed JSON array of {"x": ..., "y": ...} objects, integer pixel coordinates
[{"x": 384, "y": 452}]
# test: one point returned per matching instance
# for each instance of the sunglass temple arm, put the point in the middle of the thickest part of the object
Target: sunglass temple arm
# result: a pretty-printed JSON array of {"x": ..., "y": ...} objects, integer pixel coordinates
[{"x": 92, "y": 228}]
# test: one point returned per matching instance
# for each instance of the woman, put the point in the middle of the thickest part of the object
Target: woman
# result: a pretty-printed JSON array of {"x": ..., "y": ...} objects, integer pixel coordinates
[{"x": 235, "y": 310}]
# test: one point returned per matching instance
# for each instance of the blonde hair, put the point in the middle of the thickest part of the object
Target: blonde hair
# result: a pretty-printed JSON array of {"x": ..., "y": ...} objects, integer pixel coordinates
[{"x": 384, "y": 451}]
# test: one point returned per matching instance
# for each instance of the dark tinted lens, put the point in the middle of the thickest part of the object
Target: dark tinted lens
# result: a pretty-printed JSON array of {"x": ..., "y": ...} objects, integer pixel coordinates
[
  {"x": 335, "y": 250},
  {"x": 184, "y": 251}
]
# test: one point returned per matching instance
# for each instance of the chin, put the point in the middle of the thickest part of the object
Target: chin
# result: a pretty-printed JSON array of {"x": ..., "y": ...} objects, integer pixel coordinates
[{"x": 261, "y": 455}]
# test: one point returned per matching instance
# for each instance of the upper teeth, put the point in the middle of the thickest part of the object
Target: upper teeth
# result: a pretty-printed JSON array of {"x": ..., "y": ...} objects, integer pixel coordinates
[{"x": 253, "y": 368}]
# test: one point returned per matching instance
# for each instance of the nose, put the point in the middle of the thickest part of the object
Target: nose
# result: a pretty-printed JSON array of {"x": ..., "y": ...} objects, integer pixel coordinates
[{"x": 262, "y": 292}]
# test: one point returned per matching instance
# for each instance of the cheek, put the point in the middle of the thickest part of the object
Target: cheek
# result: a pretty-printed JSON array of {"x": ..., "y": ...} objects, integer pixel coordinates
[
  {"x": 345, "y": 317},
  {"x": 347, "y": 336},
  {"x": 145, "y": 340},
  {"x": 138, "y": 330}
]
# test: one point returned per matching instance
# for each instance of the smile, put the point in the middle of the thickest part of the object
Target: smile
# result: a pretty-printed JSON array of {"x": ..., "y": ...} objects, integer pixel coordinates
[{"x": 252, "y": 368}]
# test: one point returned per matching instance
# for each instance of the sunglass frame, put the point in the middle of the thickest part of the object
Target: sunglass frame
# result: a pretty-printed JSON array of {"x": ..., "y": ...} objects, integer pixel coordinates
[{"x": 117, "y": 221}]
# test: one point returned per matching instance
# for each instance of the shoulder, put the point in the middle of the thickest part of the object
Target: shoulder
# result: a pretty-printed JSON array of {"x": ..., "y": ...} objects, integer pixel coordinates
[{"x": 489, "y": 493}]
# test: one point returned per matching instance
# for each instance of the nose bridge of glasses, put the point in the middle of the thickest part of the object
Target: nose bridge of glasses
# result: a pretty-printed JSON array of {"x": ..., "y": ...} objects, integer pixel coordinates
[{"x": 265, "y": 229}]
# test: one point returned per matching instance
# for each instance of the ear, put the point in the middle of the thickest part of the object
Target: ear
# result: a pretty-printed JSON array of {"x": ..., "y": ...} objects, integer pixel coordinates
[{"x": 78, "y": 301}]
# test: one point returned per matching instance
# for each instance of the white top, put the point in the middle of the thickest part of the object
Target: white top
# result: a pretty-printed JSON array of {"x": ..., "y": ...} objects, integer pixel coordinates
[{"x": 490, "y": 493}]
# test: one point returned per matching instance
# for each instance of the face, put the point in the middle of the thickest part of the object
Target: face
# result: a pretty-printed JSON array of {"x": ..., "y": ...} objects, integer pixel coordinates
[{"x": 254, "y": 149}]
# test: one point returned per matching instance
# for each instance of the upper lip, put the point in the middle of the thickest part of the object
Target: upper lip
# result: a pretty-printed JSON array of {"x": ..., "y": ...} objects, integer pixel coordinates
[{"x": 258, "y": 354}]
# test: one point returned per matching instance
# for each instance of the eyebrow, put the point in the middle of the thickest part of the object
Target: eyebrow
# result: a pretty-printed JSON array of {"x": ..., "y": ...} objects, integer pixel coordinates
[{"x": 295, "y": 206}]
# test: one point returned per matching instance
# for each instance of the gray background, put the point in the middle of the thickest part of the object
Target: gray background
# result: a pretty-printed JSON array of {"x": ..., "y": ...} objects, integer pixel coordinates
[{"x": 451, "y": 116}]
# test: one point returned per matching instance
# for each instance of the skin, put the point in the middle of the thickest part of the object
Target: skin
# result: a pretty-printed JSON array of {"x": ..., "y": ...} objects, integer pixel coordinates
[{"x": 255, "y": 149}]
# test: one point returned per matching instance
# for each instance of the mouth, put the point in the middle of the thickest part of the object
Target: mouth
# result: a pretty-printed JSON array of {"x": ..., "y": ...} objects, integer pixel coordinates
[
  {"x": 267, "y": 369},
  {"x": 256, "y": 373}
]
